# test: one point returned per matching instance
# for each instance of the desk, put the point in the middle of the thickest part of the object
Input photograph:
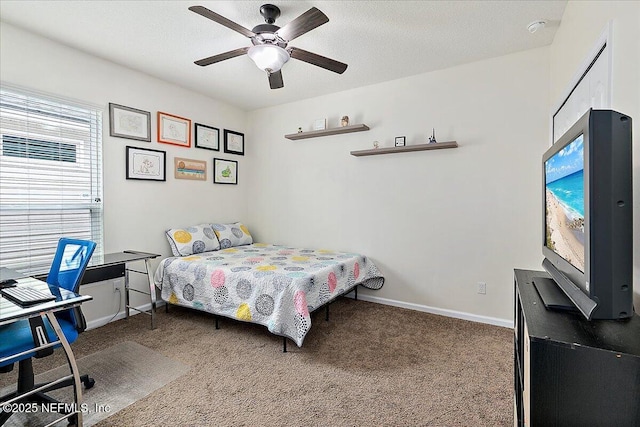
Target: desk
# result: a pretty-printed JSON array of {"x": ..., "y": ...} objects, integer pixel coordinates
[
  {"x": 114, "y": 265},
  {"x": 65, "y": 299}
]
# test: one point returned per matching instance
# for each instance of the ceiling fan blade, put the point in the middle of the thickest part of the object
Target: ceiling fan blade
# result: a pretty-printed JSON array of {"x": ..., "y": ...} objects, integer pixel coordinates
[
  {"x": 318, "y": 60},
  {"x": 275, "y": 80},
  {"x": 201, "y": 10},
  {"x": 304, "y": 23},
  {"x": 221, "y": 57}
]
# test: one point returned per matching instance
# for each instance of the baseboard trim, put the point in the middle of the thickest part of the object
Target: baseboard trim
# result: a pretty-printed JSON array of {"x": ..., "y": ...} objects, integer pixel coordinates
[
  {"x": 434, "y": 310},
  {"x": 121, "y": 315},
  {"x": 386, "y": 301}
]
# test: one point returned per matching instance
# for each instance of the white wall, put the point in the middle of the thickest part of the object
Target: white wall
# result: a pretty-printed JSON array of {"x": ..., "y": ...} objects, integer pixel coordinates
[
  {"x": 435, "y": 222},
  {"x": 581, "y": 26},
  {"x": 136, "y": 213}
]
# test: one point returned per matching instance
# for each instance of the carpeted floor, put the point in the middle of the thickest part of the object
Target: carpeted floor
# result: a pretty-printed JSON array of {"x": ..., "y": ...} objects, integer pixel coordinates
[
  {"x": 369, "y": 365},
  {"x": 127, "y": 372}
]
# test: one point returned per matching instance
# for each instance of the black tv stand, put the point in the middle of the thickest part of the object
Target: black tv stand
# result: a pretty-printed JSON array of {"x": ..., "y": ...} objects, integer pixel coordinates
[
  {"x": 551, "y": 295},
  {"x": 569, "y": 371}
]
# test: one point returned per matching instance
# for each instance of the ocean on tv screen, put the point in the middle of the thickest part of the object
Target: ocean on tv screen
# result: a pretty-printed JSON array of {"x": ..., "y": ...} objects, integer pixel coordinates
[{"x": 564, "y": 195}]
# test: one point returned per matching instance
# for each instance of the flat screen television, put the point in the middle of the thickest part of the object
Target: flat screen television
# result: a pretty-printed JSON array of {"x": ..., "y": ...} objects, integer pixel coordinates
[{"x": 587, "y": 238}]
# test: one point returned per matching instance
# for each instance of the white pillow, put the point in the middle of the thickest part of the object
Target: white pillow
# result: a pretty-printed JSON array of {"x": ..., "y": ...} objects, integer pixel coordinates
[
  {"x": 192, "y": 240},
  {"x": 230, "y": 235}
]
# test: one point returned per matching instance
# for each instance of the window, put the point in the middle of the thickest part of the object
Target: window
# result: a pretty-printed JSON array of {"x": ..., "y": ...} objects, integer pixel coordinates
[
  {"x": 50, "y": 177},
  {"x": 590, "y": 88}
]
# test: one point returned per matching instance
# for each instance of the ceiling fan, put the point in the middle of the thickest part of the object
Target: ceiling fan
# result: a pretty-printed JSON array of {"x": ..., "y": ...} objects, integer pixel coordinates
[{"x": 270, "y": 50}]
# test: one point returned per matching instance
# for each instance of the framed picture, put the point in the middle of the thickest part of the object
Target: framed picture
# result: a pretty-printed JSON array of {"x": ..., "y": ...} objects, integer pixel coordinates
[
  {"x": 207, "y": 137},
  {"x": 400, "y": 141},
  {"x": 225, "y": 171},
  {"x": 195, "y": 170},
  {"x": 174, "y": 130},
  {"x": 320, "y": 124},
  {"x": 145, "y": 164},
  {"x": 130, "y": 123},
  {"x": 233, "y": 142}
]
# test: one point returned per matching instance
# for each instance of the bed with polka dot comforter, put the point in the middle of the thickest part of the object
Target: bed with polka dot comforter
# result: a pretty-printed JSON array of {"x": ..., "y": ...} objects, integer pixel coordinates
[{"x": 275, "y": 286}]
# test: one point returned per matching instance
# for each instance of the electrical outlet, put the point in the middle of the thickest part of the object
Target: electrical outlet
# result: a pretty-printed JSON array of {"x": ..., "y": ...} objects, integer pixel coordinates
[
  {"x": 482, "y": 288},
  {"x": 117, "y": 286}
]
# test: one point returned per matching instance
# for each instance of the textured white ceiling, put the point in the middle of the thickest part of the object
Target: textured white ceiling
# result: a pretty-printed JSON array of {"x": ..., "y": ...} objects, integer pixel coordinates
[{"x": 379, "y": 40}]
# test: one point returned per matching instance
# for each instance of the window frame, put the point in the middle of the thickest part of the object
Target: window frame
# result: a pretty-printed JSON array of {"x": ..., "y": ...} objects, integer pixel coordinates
[{"x": 74, "y": 200}]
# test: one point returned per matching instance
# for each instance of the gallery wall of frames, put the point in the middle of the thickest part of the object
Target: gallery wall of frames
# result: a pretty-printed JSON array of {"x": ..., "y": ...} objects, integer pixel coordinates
[{"x": 149, "y": 162}]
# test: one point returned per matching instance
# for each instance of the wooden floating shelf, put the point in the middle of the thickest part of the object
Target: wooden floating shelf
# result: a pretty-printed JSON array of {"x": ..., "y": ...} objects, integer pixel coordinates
[
  {"x": 327, "y": 132},
  {"x": 406, "y": 148}
]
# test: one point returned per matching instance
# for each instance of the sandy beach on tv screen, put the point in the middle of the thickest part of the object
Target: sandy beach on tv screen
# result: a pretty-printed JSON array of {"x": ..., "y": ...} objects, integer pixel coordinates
[{"x": 568, "y": 240}]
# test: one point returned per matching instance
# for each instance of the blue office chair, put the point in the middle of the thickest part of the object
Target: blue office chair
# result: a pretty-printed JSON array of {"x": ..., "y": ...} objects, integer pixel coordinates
[{"x": 67, "y": 269}]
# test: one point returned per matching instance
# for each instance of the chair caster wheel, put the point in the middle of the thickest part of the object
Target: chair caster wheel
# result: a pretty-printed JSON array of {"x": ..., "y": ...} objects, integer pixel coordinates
[{"x": 89, "y": 382}]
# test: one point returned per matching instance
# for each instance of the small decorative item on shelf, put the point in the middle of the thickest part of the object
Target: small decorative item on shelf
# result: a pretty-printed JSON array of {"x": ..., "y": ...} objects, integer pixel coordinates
[
  {"x": 299, "y": 130},
  {"x": 344, "y": 121},
  {"x": 400, "y": 141},
  {"x": 320, "y": 124},
  {"x": 432, "y": 138},
  {"x": 376, "y": 144}
]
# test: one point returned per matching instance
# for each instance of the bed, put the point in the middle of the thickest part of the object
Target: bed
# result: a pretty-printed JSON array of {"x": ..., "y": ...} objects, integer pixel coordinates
[{"x": 271, "y": 285}]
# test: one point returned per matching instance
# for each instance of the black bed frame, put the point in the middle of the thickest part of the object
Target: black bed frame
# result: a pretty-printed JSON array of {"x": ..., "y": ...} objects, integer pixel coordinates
[{"x": 284, "y": 339}]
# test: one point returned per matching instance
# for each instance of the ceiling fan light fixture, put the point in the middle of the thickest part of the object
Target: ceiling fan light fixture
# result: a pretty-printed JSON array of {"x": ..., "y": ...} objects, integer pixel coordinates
[{"x": 268, "y": 57}]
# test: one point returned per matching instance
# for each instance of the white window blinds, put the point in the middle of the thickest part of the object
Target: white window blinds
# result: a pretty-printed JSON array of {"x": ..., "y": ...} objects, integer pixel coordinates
[{"x": 50, "y": 177}]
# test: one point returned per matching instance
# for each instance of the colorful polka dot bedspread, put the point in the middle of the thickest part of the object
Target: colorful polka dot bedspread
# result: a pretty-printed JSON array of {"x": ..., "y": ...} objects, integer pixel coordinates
[{"x": 275, "y": 286}]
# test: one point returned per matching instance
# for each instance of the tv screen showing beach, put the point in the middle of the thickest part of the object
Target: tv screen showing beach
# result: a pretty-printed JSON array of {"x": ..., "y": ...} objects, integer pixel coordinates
[{"x": 564, "y": 201}]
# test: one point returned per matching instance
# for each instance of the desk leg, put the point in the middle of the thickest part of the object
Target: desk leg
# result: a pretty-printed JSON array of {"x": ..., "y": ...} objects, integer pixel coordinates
[
  {"x": 77, "y": 389},
  {"x": 152, "y": 293},
  {"x": 126, "y": 291}
]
